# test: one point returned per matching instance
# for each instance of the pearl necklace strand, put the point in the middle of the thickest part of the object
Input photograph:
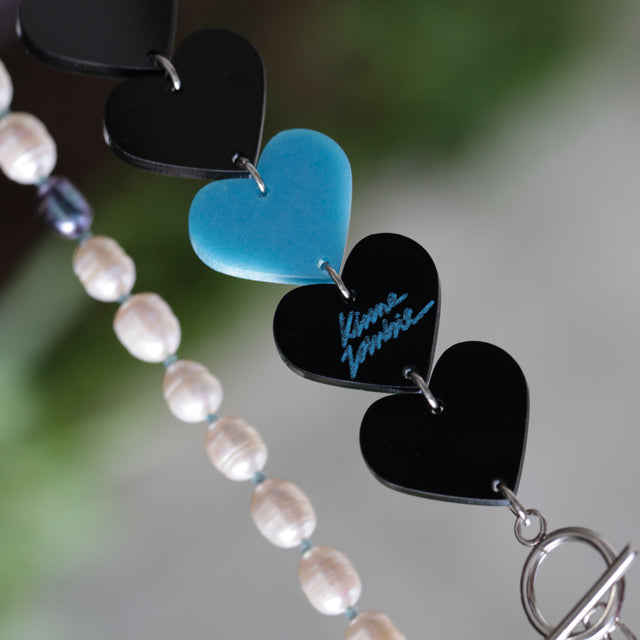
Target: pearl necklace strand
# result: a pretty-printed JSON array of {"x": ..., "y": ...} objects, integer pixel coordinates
[{"x": 146, "y": 326}]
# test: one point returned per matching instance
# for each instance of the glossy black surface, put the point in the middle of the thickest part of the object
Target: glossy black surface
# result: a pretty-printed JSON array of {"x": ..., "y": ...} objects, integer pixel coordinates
[
  {"x": 100, "y": 37},
  {"x": 194, "y": 132},
  {"x": 307, "y": 327},
  {"x": 455, "y": 455}
]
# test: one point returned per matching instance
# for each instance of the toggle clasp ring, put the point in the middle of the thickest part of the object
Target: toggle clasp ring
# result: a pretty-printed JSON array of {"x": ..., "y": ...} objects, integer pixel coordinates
[
  {"x": 247, "y": 165},
  {"x": 611, "y": 583},
  {"x": 434, "y": 404},
  {"x": 166, "y": 64},
  {"x": 333, "y": 274}
]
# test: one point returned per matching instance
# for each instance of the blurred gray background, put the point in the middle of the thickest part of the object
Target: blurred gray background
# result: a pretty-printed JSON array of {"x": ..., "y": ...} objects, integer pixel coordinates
[{"x": 504, "y": 138}]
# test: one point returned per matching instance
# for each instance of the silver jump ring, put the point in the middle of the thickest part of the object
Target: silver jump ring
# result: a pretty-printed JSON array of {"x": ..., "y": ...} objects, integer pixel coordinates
[
  {"x": 346, "y": 294},
  {"x": 165, "y": 63},
  {"x": 514, "y": 505},
  {"x": 434, "y": 404},
  {"x": 246, "y": 164},
  {"x": 525, "y": 522}
]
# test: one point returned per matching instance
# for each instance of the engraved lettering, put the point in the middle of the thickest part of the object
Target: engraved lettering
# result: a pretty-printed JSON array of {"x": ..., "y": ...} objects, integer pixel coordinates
[{"x": 355, "y": 324}]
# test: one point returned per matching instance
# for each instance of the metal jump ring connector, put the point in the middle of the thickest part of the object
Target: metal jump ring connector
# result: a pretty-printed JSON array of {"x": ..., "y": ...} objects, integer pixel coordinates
[
  {"x": 333, "y": 274},
  {"x": 514, "y": 504},
  {"x": 434, "y": 404},
  {"x": 165, "y": 63},
  {"x": 519, "y": 524},
  {"x": 247, "y": 165}
]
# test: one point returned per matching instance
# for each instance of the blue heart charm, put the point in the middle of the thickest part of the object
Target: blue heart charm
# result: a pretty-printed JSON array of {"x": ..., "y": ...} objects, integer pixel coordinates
[{"x": 286, "y": 233}]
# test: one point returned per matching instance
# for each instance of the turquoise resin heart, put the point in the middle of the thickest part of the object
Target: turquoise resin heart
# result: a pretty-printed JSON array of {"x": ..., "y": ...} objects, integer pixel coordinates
[{"x": 285, "y": 234}]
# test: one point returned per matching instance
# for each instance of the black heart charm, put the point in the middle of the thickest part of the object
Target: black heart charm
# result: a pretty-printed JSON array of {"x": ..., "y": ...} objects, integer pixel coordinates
[
  {"x": 195, "y": 132},
  {"x": 100, "y": 37},
  {"x": 365, "y": 343},
  {"x": 457, "y": 454}
]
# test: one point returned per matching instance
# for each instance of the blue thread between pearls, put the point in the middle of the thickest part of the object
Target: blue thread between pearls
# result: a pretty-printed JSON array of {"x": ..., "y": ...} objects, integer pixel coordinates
[
  {"x": 212, "y": 417},
  {"x": 122, "y": 299},
  {"x": 5, "y": 112},
  {"x": 305, "y": 545},
  {"x": 351, "y": 613},
  {"x": 169, "y": 360},
  {"x": 258, "y": 477},
  {"x": 85, "y": 235}
]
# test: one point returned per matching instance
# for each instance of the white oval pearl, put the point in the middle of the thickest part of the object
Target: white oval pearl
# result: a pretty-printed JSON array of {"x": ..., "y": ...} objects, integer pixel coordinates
[
  {"x": 235, "y": 448},
  {"x": 329, "y": 580},
  {"x": 282, "y": 512},
  {"x": 147, "y": 328},
  {"x": 191, "y": 391},
  {"x": 372, "y": 625},
  {"x": 27, "y": 151},
  {"x": 104, "y": 269},
  {"x": 6, "y": 88}
]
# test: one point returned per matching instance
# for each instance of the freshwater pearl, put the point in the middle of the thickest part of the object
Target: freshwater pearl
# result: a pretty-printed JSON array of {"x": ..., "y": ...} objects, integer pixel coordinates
[
  {"x": 63, "y": 208},
  {"x": 27, "y": 151},
  {"x": 191, "y": 391},
  {"x": 372, "y": 625},
  {"x": 282, "y": 513},
  {"x": 329, "y": 580},
  {"x": 106, "y": 272},
  {"x": 147, "y": 328},
  {"x": 6, "y": 88},
  {"x": 235, "y": 448}
]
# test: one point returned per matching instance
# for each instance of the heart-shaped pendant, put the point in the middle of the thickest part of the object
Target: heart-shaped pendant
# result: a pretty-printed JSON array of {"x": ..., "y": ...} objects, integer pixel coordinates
[
  {"x": 101, "y": 37},
  {"x": 284, "y": 234},
  {"x": 366, "y": 342},
  {"x": 457, "y": 454},
  {"x": 198, "y": 131}
]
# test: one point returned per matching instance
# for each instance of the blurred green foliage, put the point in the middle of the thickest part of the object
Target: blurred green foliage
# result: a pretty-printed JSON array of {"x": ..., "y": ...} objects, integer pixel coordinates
[
  {"x": 382, "y": 78},
  {"x": 418, "y": 77}
]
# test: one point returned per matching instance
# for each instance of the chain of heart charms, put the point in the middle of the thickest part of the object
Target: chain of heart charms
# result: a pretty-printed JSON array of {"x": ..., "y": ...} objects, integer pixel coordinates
[{"x": 374, "y": 328}]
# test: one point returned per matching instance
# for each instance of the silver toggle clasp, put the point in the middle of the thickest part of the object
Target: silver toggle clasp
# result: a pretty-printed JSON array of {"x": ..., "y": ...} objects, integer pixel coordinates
[
  {"x": 585, "y": 612},
  {"x": 166, "y": 64},
  {"x": 597, "y": 614},
  {"x": 333, "y": 274},
  {"x": 248, "y": 166},
  {"x": 434, "y": 404}
]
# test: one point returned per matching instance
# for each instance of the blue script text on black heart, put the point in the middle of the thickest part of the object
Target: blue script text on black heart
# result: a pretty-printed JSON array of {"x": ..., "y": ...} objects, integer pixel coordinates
[{"x": 354, "y": 324}]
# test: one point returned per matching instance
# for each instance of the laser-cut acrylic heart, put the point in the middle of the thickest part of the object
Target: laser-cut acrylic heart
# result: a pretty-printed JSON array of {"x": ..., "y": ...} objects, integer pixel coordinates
[
  {"x": 455, "y": 455},
  {"x": 283, "y": 235},
  {"x": 195, "y": 132},
  {"x": 101, "y": 37},
  {"x": 367, "y": 342}
]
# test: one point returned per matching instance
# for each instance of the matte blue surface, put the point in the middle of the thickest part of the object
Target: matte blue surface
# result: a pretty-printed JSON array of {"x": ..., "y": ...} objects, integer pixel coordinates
[{"x": 282, "y": 236}]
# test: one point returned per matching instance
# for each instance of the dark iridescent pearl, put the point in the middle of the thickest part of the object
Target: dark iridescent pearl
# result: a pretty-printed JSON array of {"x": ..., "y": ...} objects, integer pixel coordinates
[{"x": 63, "y": 208}]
